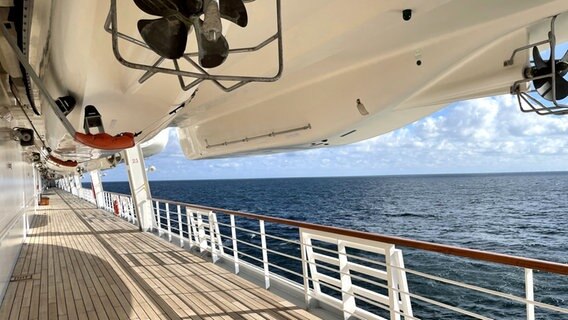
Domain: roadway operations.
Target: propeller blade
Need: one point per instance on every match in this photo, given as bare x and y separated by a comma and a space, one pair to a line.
211, 53
234, 11
544, 88
159, 7
166, 36
565, 57
561, 88
563, 64
537, 58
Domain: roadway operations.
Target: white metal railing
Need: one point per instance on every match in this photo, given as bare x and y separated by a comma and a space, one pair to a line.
117, 203
350, 271
87, 194
345, 269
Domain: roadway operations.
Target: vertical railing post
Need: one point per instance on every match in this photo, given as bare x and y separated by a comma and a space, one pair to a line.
158, 218
311, 261
212, 237
188, 218
307, 297
218, 233
264, 254
134, 213
529, 292
123, 208
347, 293
394, 304
168, 222
201, 233
400, 275
121, 212
126, 206
180, 226
129, 208
235, 248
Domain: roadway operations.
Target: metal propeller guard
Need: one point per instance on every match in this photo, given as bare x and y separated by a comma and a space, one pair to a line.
111, 26
531, 98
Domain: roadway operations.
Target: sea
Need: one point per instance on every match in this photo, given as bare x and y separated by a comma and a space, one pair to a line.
522, 214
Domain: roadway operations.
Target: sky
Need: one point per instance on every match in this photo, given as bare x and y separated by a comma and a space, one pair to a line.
477, 136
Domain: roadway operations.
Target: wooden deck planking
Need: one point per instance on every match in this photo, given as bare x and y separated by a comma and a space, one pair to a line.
86, 264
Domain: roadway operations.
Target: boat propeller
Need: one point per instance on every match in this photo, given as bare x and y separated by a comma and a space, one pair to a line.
544, 67
167, 36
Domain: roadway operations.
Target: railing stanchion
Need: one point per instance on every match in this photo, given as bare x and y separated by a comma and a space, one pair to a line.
188, 218
201, 233
304, 269
212, 237
132, 212
168, 222
120, 210
529, 292
264, 254
235, 248
129, 211
347, 292
158, 218
394, 304
180, 226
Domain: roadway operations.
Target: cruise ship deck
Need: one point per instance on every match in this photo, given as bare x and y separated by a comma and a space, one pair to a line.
82, 263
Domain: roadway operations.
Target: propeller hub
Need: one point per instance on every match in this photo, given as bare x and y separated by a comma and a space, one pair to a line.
212, 28
167, 35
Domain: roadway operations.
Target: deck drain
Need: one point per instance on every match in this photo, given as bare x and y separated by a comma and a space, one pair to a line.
21, 277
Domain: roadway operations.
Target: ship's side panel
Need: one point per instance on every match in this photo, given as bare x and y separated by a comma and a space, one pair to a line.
16, 199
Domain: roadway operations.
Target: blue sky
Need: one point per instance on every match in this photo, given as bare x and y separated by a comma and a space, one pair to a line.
484, 135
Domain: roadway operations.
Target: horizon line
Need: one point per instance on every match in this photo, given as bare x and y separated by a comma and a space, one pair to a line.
360, 176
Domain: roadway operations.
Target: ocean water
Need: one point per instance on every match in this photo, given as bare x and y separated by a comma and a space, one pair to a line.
519, 214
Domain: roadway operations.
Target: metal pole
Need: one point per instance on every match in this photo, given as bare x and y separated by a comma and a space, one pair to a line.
235, 248
264, 254
180, 226
189, 219
212, 238
159, 218
529, 292
168, 222
307, 297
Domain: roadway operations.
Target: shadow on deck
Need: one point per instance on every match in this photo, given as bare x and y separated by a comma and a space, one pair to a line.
81, 263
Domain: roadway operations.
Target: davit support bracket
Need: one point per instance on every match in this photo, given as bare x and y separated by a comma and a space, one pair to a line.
140, 188
101, 141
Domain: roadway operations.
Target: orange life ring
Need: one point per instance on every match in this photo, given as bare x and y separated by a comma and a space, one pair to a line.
115, 206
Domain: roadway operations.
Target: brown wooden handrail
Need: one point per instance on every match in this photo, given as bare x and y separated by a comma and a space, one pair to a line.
119, 194
487, 256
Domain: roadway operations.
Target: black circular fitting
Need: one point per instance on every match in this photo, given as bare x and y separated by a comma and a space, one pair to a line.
406, 14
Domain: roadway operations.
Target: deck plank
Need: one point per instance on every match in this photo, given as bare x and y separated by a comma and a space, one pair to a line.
87, 264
